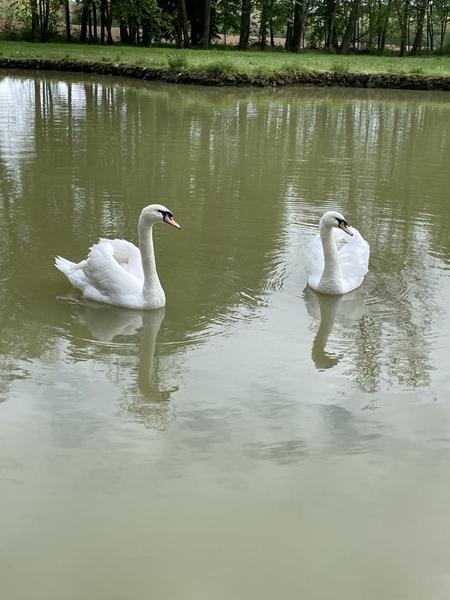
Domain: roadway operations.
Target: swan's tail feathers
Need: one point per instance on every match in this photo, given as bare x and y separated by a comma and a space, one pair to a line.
73, 271
64, 265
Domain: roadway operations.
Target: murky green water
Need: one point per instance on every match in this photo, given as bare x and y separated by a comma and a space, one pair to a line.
252, 442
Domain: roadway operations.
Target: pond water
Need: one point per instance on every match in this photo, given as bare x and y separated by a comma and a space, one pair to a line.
254, 440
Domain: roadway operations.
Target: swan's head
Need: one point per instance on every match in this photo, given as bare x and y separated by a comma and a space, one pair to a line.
157, 213
334, 219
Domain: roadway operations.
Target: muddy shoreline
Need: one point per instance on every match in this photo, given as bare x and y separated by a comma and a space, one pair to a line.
309, 78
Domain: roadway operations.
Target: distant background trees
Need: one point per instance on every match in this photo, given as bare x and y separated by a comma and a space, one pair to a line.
375, 26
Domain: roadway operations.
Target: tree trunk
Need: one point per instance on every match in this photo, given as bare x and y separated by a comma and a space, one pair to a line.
90, 25
124, 35
178, 35
109, 39
356, 36
196, 15
94, 21
67, 15
287, 40
34, 20
84, 23
102, 21
132, 31
297, 28
430, 28
408, 36
108, 23
350, 27
183, 22
403, 18
43, 19
263, 28
330, 35
444, 21
207, 24
417, 44
244, 36
370, 10
147, 35
382, 36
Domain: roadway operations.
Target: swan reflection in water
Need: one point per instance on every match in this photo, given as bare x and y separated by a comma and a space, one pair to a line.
327, 309
145, 398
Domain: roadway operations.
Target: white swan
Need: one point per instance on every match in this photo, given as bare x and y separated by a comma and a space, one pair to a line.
331, 270
118, 273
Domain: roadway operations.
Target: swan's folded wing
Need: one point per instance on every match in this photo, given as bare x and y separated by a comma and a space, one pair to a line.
127, 255
109, 281
354, 260
314, 261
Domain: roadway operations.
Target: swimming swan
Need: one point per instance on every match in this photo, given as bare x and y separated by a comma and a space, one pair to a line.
331, 270
116, 272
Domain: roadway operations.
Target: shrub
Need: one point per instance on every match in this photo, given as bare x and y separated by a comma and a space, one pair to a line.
220, 67
289, 68
177, 62
339, 68
264, 75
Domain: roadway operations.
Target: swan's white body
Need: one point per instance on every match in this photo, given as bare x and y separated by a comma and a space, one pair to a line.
117, 272
334, 267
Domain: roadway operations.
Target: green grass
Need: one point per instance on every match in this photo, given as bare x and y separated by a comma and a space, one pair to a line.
340, 67
177, 62
216, 62
218, 67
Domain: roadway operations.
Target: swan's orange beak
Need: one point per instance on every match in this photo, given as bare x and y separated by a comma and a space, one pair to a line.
171, 221
345, 228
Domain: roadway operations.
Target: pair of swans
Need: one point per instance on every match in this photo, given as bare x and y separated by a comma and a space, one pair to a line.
117, 272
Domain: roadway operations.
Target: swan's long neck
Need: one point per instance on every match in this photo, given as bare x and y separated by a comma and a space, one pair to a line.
331, 275
151, 279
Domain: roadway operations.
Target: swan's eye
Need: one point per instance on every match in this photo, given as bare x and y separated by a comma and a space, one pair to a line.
165, 213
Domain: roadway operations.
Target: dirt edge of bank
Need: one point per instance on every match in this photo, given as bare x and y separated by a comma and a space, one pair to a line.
310, 78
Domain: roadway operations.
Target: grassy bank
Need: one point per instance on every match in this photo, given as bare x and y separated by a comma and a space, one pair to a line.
253, 66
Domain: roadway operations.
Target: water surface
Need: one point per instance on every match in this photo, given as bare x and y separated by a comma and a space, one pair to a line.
253, 440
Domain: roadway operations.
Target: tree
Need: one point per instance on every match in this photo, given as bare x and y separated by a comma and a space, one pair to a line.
40, 16
67, 18
182, 24
297, 26
207, 24
350, 28
330, 27
228, 16
442, 8
402, 8
421, 12
244, 33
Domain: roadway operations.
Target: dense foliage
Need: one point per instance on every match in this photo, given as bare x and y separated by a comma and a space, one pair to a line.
376, 26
